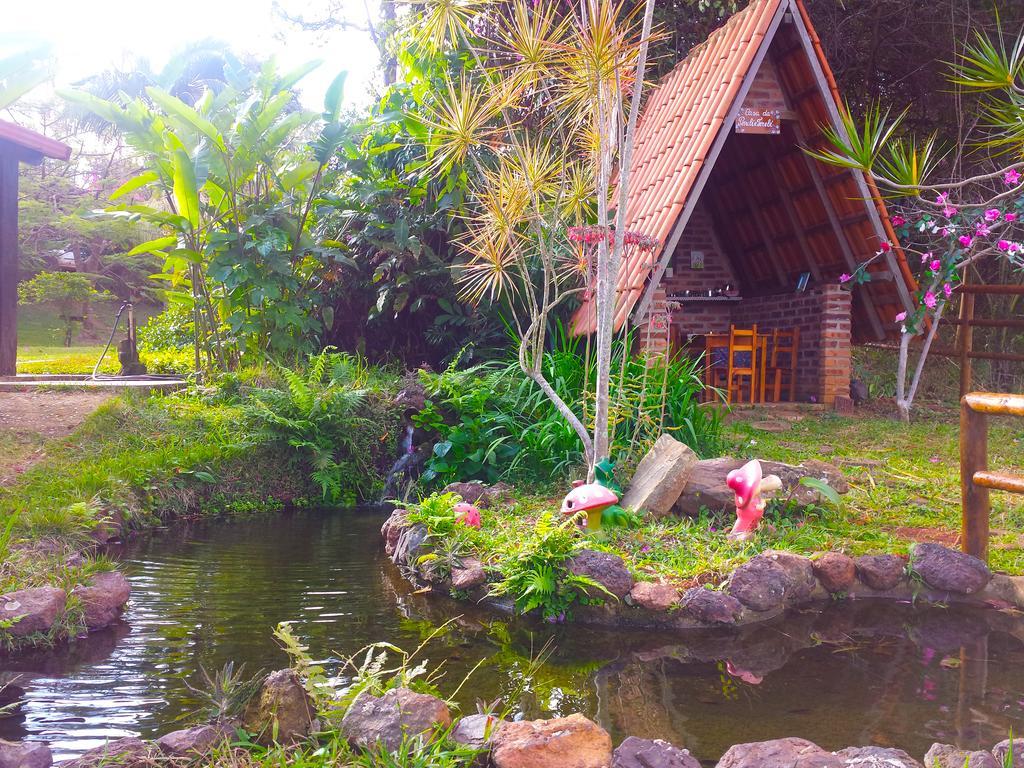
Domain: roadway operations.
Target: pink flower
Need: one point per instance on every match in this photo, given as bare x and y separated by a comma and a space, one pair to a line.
844, 278
1011, 178
942, 198
966, 240
929, 300
935, 265
901, 317
1003, 245
1010, 217
947, 289
949, 211
898, 221
945, 231
993, 214
886, 246
981, 229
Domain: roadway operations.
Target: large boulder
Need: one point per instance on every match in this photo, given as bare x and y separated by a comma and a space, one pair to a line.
779, 753
1001, 752
194, 742
948, 756
606, 569
706, 486
390, 719
128, 752
656, 596
562, 742
949, 570
881, 572
468, 575
835, 571
103, 599
651, 753
760, 584
876, 757
25, 754
32, 610
281, 711
660, 477
711, 606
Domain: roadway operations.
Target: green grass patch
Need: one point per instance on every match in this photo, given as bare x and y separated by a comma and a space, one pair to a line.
904, 487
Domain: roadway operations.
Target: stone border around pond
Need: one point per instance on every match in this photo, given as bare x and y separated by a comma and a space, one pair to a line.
35, 613
760, 589
283, 708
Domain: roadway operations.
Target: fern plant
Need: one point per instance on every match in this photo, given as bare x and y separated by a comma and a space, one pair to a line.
318, 414
537, 577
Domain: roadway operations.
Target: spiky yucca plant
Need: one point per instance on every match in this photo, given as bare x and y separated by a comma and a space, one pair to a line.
543, 111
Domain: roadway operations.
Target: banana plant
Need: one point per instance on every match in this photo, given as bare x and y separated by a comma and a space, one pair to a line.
233, 182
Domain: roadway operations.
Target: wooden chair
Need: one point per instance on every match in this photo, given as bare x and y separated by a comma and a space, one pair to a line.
780, 373
742, 341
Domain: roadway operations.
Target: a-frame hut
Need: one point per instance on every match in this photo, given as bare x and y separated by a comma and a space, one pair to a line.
720, 179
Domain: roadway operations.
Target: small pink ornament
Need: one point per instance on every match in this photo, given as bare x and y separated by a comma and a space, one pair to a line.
748, 484
1011, 178
592, 498
467, 514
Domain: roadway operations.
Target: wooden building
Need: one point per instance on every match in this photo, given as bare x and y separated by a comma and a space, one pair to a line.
720, 179
17, 145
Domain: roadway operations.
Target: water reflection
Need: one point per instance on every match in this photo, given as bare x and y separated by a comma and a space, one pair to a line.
203, 595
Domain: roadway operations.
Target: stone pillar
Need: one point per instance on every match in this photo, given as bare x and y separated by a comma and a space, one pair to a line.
836, 366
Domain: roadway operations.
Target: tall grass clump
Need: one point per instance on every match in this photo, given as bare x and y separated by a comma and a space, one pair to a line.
494, 423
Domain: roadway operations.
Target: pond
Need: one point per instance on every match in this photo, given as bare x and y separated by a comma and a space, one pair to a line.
206, 594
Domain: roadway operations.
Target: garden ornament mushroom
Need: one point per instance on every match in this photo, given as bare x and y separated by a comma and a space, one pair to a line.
467, 514
748, 485
592, 498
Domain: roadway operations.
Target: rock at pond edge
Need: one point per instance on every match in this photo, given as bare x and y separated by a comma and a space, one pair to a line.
562, 742
835, 571
281, 710
103, 598
634, 752
948, 756
25, 754
389, 719
949, 570
711, 606
779, 753
760, 584
606, 569
32, 610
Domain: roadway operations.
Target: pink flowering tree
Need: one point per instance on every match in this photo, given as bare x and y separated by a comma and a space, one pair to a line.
944, 223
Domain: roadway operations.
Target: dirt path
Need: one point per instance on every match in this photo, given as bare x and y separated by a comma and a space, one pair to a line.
29, 419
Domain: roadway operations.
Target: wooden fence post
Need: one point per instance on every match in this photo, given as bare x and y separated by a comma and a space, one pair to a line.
974, 498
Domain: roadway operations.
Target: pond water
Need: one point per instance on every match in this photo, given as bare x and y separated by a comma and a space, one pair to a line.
206, 594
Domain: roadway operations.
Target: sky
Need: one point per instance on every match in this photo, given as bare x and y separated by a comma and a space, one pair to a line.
88, 36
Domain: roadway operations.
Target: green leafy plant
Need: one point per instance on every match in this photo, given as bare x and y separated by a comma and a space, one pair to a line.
536, 574
236, 192
318, 413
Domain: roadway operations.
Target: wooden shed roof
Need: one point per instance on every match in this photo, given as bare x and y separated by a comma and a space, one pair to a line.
30, 146
685, 125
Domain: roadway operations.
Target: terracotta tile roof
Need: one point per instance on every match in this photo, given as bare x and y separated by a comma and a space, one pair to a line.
34, 143
681, 120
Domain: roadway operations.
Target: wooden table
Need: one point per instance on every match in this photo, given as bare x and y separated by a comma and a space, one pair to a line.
714, 341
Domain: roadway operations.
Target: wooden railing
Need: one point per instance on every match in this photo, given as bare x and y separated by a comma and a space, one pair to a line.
975, 479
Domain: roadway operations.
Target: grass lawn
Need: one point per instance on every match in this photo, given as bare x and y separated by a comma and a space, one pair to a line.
41, 340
